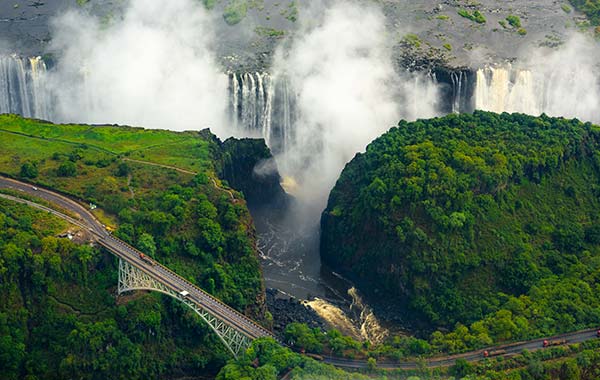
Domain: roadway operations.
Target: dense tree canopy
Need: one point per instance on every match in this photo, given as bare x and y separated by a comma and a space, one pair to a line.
59, 318
467, 218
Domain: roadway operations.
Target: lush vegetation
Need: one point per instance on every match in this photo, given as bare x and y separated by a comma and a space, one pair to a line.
59, 318
486, 223
267, 360
574, 362
182, 216
590, 7
235, 11
474, 16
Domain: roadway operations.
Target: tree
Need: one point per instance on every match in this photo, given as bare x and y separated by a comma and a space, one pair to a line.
301, 336
371, 364
570, 370
28, 170
211, 235
123, 170
146, 244
67, 169
461, 368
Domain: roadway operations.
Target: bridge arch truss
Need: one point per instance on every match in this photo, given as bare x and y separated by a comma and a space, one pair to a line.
131, 278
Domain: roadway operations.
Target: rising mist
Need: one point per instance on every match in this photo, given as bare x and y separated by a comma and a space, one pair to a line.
562, 82
153, 67
340, 65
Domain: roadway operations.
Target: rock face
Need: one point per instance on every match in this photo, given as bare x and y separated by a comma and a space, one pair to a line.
286, 310
444, 217
443, 36
249, 167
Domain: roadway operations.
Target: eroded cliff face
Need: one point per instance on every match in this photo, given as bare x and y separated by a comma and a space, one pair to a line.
442, 35
249, 167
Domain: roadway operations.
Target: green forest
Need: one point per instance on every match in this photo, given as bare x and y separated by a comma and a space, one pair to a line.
485, 224
489, 218
61, 311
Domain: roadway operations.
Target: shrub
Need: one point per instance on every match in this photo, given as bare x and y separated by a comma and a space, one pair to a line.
209, 4
514, 21
67, 169
235, 12
28, 170
412, 39
476, 16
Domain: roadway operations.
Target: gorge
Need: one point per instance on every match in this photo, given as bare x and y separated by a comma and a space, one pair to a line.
317, 90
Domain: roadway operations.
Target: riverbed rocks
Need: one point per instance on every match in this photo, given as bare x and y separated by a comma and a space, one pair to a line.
286, 309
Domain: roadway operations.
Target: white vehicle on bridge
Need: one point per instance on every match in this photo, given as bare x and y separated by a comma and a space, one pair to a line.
184, 293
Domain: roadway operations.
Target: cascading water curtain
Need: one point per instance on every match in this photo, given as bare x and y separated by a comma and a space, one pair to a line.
262, 105
23, 87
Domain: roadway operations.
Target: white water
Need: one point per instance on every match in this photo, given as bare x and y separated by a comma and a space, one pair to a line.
504, 89
370, 327
360, 323
560, 91
335, 317
261, 105
23, 87
460, 87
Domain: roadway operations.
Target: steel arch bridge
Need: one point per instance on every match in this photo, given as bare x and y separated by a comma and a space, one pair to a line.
233, 328
132, 278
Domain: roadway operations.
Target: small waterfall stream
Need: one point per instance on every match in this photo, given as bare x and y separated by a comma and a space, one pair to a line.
262, 105
23, 87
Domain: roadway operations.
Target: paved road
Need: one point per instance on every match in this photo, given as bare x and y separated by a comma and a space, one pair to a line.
473, 356
128, 253
232, 317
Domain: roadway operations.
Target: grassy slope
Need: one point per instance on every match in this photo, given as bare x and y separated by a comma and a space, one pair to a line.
198, 230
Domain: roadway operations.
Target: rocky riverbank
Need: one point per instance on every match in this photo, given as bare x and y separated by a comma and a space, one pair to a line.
286, 309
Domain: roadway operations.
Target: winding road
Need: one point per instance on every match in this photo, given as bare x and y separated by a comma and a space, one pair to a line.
251, 329
128, 253
473, 356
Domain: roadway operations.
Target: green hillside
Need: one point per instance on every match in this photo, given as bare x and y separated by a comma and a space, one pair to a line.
59, 314
484, 219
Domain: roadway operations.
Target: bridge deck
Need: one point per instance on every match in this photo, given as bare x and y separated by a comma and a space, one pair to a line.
131, 255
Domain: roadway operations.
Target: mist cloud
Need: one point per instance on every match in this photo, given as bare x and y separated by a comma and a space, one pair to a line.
568, 78
341, 68
561, 82
154, 67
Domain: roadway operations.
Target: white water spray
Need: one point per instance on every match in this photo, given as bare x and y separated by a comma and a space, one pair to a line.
563, 82
141, 70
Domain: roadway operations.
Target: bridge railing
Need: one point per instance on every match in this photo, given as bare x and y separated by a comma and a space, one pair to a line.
197, 288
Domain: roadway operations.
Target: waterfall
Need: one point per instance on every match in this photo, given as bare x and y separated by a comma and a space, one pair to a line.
556, 91
261, 105
40, 94
248, 94
460, 92
23, 88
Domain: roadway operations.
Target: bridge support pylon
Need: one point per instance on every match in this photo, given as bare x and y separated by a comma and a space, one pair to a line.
131, 278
